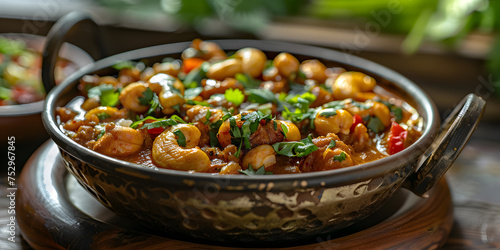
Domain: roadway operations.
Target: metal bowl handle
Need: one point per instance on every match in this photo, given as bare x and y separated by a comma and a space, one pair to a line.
55, 39
452, 137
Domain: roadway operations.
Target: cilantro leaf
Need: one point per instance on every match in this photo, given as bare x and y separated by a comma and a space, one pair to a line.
295, 149
177, 108
106, 93
193, 102
155, 103
261, 96
235, 130
335, 104
214, 129
375, 125
297, 88
340, 158
103, 116
285, 129
146, 97
250, 124
329, 112
196, 75
332, 144
235, 96
395, 110
398, 113
247, 81
250, 171
181, 139
299, 115
173, 120
150, 98
207, 117
193, 92
101, 133
302, 101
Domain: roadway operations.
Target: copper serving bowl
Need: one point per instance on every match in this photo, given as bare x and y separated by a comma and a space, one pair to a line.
271, 207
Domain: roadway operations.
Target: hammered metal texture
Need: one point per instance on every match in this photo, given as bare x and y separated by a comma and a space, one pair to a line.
210, 212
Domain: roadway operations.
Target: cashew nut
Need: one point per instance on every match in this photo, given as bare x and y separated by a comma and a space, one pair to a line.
167, 153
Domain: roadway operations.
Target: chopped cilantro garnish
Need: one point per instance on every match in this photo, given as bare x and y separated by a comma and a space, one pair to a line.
235, 130
101, 133
214, 129
302, 101
250, 124
235, 96
375, 125
196, 75
238, 152
193, 102
335, 105
155, 103
297, 88
146, 97
103, 116
106, 93
193, 92
251, 171
298, 115
398, 113
173, 120
177, 108
301, 75
150, 98
261, 96
395, 110
361, 105
181, 139
341, 157
207, 117
329, 112
247, 81
295, 149
332, 144
285, 129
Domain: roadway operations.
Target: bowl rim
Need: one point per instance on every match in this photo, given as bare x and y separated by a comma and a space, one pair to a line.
334, 177
37, 43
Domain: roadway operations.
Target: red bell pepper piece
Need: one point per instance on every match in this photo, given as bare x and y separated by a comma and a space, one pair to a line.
356, 120
397, 138
191, 63
156, 131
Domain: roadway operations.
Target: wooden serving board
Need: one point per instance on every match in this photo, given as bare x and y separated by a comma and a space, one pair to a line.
53, 211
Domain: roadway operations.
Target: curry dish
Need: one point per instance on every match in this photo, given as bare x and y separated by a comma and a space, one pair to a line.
239, 113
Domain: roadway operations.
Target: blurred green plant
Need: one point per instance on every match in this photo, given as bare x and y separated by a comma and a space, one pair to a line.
244, 15
446, 22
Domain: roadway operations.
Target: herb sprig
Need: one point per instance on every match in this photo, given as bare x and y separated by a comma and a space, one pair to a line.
295, 149
158, 123
250, 171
